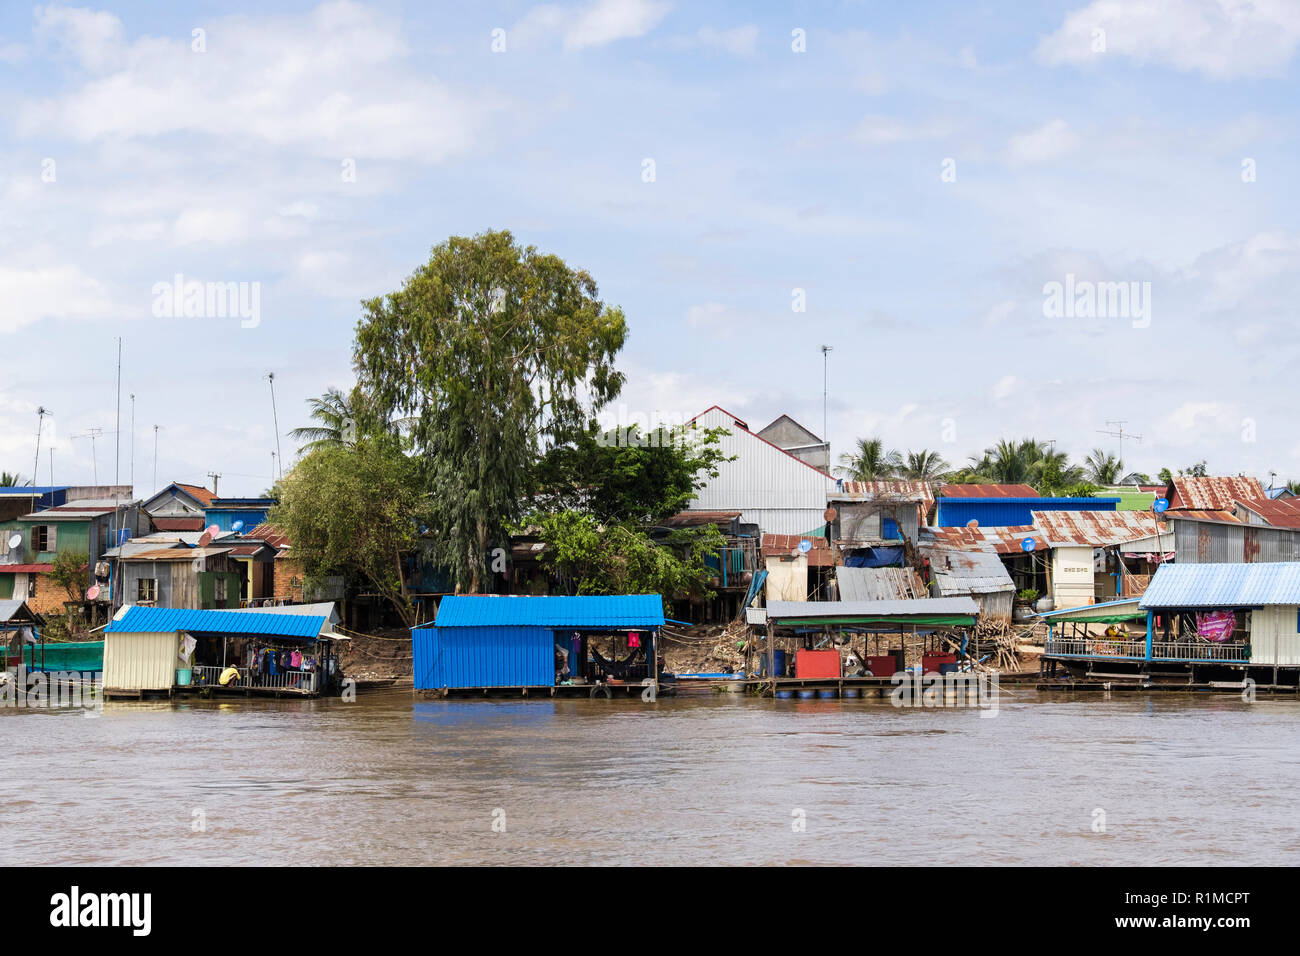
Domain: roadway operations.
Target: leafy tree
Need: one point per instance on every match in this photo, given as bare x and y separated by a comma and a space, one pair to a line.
925, 465
355, 510
1027, 461
619, 558
69, 573
627, 476
1293, 487
495, 351
10, 479
336, 421
1103, 468
869, 461
1197, 470
1165, 476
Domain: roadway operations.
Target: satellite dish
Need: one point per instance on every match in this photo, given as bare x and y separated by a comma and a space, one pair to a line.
831, 514
237, 526
1160, 504
212, 531
15, 540
973, 523
92, 593
205, 539
805, 546
1028, 544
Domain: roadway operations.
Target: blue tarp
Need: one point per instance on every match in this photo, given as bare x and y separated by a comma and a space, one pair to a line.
874, 557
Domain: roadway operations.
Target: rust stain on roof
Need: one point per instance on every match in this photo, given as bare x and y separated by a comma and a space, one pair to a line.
1005, 539
1212, 494
988, 491
1277, 512
884, 491
1096, 528
782, 545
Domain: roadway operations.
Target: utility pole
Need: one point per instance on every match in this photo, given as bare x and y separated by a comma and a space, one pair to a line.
117, 429
41, 412
270, 377
216, 477
826, 351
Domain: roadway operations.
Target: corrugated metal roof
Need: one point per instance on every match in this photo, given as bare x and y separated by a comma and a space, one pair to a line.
783, 545
25, 568
1279, 513
10, 608
988, 491
884, 491
162, 620
967, 572
1224, 585
1097, 528
595, 611
811, 610
270, 534
175, 554
1213, 494
879, 584
1002, 539
326, 609
197, 492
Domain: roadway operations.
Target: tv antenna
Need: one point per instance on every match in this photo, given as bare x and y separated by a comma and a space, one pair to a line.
826, 351
93, 433
270, 377
41, 412
1118, 432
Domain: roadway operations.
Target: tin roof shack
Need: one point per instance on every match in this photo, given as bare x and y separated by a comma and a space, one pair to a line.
788, 435
1280, 513
1009, 511
1211, 494
237, 514
30, 544
775, 491
163, 650
1020, 548
20, 500
592, 646
875, 522
796, 571
1083, 638
819, 640
1207, 538
179, 507
180, 578
733, 567
1101, 555
979, 575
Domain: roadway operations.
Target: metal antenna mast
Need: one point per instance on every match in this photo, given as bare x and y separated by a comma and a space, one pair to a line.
826, 351
41, 412
1120, 434
117, 433
270, 377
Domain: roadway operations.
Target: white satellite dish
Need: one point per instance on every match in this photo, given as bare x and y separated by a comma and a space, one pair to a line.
15, 540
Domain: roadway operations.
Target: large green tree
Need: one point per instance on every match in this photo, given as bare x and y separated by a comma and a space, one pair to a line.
357, 510
1103, 468
627, 475
495, 351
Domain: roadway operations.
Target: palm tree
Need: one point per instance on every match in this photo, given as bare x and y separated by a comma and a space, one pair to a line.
925, 465
334, 412
8, 480
1026, 462
869, 461
1103, 468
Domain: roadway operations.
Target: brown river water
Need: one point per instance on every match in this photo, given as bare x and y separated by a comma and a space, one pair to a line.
692, 780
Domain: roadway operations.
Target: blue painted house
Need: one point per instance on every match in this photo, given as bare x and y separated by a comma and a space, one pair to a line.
1011, 512
248, 513
587, 646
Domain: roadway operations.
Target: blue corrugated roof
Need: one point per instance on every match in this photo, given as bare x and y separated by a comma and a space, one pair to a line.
161, 620
603, 610
1224, 585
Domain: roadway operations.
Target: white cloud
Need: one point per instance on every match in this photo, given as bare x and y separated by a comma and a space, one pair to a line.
330, 83
885, 130
738, 41
594, 24
1004, 388
1042, 144
1219, 38
53, 292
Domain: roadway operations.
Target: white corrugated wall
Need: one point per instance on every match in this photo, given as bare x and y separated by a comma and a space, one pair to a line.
1275, 636
139, 661
774, 490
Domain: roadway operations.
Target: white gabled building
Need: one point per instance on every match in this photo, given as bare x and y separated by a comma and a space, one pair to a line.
770, 487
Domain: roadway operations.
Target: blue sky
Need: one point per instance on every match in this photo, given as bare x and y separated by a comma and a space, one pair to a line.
774, 170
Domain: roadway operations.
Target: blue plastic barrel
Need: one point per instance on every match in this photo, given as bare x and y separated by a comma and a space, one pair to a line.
807, 694
852, 692
827, 693
778, 663
784, 694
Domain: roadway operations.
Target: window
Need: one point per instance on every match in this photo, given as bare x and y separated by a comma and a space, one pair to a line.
44, 537
146, 589
31, 585
219, 587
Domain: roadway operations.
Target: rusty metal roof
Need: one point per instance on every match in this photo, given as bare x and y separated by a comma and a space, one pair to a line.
884, 491
1276, 511
879, 584
270, 534
1002, 539
1097, 528
1212, 494
176, 554
987, 491
781, 546
967, 572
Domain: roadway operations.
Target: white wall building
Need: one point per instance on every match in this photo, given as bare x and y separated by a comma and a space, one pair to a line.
769, 487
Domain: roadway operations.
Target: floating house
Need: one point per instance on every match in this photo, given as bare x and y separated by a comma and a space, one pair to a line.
152, 650
1199, 623
595, 645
